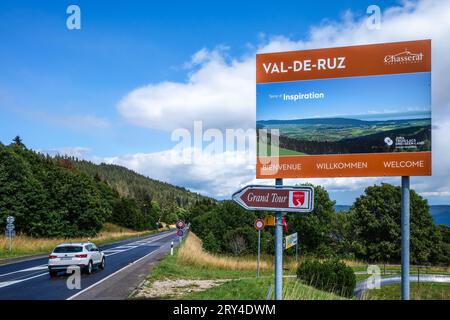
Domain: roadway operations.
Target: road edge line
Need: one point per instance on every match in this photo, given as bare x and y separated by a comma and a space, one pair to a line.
113, 274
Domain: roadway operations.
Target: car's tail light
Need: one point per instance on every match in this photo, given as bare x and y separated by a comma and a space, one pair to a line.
84, 255
52, 257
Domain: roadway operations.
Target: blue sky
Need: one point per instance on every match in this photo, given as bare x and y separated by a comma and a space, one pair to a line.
108, 89
49, 72
352, 97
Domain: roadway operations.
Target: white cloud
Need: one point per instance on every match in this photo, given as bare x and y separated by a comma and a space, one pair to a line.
221, 92
217, 175
208, 173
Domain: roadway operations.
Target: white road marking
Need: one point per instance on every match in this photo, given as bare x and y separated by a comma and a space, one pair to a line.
131, 246
112, 274
41, 267
45, 266
9, 283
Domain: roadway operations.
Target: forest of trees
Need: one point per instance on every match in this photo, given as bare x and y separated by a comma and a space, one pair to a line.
369, 231
63, 197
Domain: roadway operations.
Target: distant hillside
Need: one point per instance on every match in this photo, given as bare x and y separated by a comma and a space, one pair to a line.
339, 208
63, 197
131, 184
440, 213
334, 121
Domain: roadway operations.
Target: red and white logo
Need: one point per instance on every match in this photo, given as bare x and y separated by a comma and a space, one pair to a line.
298, 199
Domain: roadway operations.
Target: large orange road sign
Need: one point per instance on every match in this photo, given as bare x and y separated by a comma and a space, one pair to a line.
286, 199
345, 112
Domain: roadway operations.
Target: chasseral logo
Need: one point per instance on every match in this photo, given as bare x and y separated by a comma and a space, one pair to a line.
388, 141
404, 58
298, 199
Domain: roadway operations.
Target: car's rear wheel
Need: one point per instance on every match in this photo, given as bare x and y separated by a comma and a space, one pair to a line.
89, 268
102, 264
53, 273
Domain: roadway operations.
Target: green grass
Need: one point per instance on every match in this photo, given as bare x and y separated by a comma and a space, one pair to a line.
243, 285
169, 269
244, 289
422, 291
281, 151
360, 277
336, 132
256, 289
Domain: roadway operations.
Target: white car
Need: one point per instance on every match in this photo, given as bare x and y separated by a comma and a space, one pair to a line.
85, 255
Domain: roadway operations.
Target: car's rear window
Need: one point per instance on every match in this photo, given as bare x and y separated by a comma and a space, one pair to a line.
68, 249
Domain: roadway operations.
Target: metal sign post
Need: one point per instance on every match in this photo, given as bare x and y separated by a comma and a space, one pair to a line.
259, 252
259, 225
10, 230
280, 199
278, 250
405, 237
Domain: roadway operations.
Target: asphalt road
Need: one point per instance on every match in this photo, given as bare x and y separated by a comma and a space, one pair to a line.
29, 280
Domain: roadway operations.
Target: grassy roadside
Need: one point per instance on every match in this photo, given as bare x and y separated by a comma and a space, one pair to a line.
192, 273
256, 289
24, 246
422, 291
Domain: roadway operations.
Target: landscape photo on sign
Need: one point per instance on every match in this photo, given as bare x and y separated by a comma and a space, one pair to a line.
350, 111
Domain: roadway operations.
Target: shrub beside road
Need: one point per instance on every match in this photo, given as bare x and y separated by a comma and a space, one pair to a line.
329, 275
